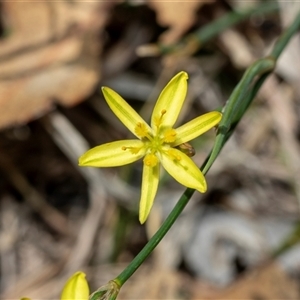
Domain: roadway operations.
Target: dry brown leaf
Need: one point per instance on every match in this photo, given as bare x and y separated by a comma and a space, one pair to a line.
178, 15
268, 282
51, 54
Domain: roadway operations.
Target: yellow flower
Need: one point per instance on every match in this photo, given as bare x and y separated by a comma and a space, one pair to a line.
76, 288
157, 144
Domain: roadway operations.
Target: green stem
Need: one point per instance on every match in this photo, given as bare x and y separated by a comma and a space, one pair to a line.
242, 97
285, 37
237, 104
247, 89
157, 237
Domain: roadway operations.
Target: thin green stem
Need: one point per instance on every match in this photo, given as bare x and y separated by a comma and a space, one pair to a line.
237, 104
157, 237
239, 101
246, 90
285, 37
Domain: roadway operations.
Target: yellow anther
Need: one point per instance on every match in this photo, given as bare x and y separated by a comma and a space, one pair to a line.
150, 160
170, 136
141, 130
124, 148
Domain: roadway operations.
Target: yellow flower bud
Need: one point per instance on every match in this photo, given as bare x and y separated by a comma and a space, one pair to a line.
76, 288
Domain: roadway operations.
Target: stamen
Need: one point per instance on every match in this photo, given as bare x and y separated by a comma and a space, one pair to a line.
158, 120
170, 135
174, 154
141, 130
133, 150
150, 160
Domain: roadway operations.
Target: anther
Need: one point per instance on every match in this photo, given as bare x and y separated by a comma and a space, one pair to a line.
133, 150
170, 135
141, 130
158, 120
150, 160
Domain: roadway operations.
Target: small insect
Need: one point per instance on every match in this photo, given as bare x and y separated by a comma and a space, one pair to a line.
187, 149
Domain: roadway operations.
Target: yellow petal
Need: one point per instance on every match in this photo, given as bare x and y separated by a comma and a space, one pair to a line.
76, 288
196, 127
149, 188
170, 100
184, 170
113, 154
126, 114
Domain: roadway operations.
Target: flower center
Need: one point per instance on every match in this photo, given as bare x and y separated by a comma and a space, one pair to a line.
154, 141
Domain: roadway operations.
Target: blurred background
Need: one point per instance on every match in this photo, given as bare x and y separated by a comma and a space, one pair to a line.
236, 241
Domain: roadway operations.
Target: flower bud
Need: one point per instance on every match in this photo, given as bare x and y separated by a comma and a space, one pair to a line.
76, 288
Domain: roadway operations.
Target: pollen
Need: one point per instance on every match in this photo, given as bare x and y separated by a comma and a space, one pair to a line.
169, 135
150, 160
141, 130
